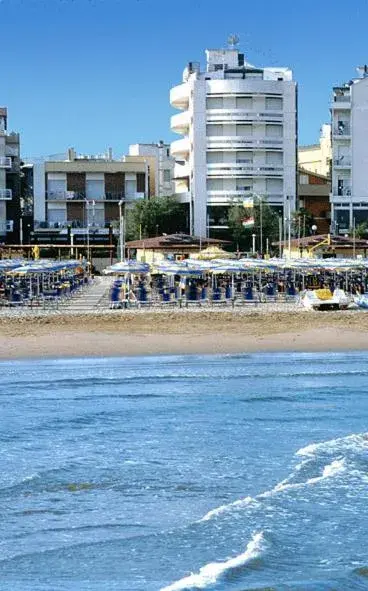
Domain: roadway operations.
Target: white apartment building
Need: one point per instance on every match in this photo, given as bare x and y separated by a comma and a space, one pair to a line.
9, 179
161, 166
349, 114
239, 125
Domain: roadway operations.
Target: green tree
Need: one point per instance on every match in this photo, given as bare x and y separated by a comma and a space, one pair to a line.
361, 231
156, 216
302, 222
264, 217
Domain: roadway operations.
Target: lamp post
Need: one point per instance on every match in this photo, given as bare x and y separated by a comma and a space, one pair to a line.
87, 222
121, 229
254, 243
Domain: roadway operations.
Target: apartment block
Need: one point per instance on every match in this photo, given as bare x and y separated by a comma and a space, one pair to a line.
239, 128
349, 119
161, 166
80, 193
9, 181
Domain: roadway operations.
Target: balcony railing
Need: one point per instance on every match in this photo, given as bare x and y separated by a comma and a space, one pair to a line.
5, 194
341, 130
233, 140
81, 196
5, 162
225, 169
342, 161
342, 191
342, 98
73, 224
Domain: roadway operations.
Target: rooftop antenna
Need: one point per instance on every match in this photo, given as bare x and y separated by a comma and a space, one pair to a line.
233, 41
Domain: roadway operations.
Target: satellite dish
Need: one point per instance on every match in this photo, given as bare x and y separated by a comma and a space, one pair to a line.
233, 41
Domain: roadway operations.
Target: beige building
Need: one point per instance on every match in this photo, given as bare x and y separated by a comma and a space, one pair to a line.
82, 192
317, 157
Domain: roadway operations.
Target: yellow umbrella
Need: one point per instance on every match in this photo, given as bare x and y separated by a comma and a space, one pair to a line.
214, 252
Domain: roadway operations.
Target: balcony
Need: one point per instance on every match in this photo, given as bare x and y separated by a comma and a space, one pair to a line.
5, 194
5, 162
342, 191
180, 122
234, 142
342, 162
341, 102
180, 148
81, 196
341, 132
239, 115
181, 171
179, 96
183, 197
129, 197
236, 170
73, 224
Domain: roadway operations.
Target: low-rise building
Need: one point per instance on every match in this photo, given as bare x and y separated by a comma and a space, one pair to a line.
9, 181
314, 196
172, 246
84, 195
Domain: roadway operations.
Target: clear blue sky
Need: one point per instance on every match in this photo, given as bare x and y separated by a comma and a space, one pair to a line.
97, 73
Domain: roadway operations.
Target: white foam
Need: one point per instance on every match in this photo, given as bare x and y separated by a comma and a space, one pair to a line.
226, 508
210, 573
357, 441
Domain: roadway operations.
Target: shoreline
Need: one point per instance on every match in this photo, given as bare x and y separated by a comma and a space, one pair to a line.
172, 333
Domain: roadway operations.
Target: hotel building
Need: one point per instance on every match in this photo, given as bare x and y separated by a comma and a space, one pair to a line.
239, 128
75, 193
9, 181
349, 119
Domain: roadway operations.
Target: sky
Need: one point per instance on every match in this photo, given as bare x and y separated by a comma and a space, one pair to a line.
93, 74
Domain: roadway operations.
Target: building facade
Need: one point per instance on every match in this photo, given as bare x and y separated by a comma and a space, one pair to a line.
317, 157
349, 119
9, 181
314, 196
161, 167
80, 194
239, 125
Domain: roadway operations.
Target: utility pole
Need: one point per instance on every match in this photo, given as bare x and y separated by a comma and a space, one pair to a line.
280, 236
121, 229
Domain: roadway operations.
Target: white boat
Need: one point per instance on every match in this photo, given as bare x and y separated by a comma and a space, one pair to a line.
362, 300
324, 299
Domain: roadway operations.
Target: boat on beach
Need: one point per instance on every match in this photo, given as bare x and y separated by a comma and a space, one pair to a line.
324, 299
362, 301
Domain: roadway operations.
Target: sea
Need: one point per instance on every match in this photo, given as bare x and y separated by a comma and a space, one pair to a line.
174, 473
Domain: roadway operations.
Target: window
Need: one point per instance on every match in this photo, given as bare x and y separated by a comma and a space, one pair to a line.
215, 130
218, 67
130, 188
273, 131
56, 184
167, 176
214, 102
244, 102
56, 216
95, 189
274, 103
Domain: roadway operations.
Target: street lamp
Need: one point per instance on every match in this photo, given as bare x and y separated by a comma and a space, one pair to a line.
121, 229
254, 243
314, 229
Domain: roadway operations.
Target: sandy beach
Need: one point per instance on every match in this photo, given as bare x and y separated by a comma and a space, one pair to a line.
179, 332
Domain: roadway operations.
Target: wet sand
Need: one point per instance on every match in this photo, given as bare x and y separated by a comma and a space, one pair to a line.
185, 332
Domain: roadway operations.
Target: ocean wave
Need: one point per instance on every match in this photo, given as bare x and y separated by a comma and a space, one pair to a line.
310, 464
355, 442
211, 572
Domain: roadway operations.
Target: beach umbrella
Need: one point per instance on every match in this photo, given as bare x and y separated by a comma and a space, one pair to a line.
127, 267
214, 252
